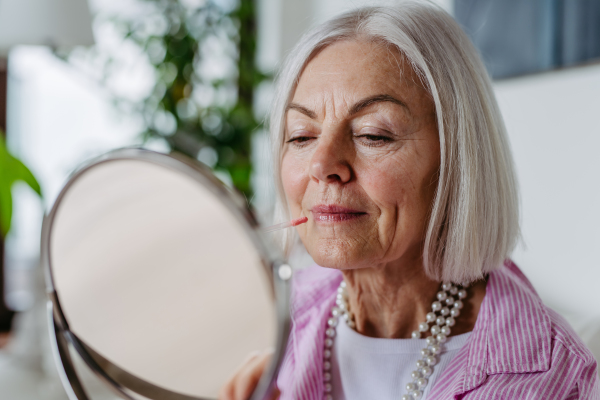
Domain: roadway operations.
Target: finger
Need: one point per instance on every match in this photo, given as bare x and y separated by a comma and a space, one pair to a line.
243, 382
227, 392
247, 379
275, 395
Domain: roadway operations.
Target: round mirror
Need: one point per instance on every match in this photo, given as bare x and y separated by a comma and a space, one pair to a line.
159, 278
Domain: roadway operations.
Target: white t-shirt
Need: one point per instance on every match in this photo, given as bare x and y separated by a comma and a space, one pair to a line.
373, 368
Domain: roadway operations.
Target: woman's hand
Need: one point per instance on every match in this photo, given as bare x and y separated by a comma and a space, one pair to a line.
245, 379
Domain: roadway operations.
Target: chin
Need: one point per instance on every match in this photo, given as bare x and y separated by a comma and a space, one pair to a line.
338, 254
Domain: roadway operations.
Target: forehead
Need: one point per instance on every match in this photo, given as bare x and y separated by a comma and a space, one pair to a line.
356, 69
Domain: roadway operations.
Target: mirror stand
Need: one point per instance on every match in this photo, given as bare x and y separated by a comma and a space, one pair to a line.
60, 340
160, 281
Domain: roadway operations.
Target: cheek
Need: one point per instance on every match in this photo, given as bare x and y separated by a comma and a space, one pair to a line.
294, 179
399, 187
386, 184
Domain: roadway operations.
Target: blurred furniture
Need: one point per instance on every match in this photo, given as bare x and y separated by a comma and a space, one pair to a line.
522, 37
55, 23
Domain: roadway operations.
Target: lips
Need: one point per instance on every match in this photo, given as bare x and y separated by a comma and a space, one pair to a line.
330, 213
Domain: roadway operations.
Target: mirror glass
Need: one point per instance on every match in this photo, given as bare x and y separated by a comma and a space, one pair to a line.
157, 275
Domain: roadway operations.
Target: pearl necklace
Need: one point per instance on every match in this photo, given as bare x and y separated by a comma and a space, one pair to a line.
444, 310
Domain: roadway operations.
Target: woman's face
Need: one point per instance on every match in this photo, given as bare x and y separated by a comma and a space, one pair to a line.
361, 157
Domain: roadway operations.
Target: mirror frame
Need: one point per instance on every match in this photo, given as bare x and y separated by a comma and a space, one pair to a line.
119, 380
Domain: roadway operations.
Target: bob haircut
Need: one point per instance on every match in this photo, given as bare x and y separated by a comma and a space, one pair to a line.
474, 222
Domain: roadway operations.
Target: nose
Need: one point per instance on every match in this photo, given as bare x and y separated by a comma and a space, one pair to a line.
331, 161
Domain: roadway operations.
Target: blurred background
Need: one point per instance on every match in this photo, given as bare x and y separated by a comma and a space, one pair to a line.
79, 78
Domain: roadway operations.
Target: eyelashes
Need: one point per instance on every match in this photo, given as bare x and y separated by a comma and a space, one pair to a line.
372, 140
300, 141
365, 139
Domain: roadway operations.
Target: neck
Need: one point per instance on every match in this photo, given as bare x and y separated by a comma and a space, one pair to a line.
390, 301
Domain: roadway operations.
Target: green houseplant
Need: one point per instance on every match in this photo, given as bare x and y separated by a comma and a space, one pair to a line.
203, 61
12, 170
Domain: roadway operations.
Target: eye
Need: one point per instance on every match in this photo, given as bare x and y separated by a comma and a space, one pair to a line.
373, 139
300, 140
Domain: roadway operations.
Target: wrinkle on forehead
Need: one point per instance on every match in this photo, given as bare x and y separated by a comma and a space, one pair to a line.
348, 71
395, 58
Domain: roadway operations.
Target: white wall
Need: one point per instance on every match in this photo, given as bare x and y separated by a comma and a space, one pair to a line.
554, 129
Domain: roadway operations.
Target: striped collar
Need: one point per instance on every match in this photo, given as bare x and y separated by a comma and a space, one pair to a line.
510, 307
498, 344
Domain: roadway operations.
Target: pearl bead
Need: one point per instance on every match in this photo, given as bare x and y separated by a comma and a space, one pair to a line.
416, 394
445, 305
430, 317
416, 375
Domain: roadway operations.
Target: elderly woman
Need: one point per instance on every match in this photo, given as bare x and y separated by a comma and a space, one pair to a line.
389, 139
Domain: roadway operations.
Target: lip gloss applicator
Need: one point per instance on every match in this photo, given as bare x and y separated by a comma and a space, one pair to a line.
283, 225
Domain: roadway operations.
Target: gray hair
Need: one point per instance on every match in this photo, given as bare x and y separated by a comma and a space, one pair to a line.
474, 222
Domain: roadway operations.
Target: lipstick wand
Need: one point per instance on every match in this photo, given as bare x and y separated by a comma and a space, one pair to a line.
283, 225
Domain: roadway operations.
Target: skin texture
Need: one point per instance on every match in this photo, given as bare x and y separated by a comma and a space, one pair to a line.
361, 136
381, 161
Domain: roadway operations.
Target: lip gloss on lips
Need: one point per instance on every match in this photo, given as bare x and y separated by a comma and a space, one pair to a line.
335, 213
289, 224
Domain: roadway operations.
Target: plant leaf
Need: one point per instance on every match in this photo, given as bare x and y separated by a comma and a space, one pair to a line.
21, 173
11, 170
5, 207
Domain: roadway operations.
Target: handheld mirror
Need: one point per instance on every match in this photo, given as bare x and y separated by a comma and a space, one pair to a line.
160, 280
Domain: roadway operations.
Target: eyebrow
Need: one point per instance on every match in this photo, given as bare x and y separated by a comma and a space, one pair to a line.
356, 108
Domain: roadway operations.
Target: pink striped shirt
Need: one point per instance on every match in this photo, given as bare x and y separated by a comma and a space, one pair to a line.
519, 348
